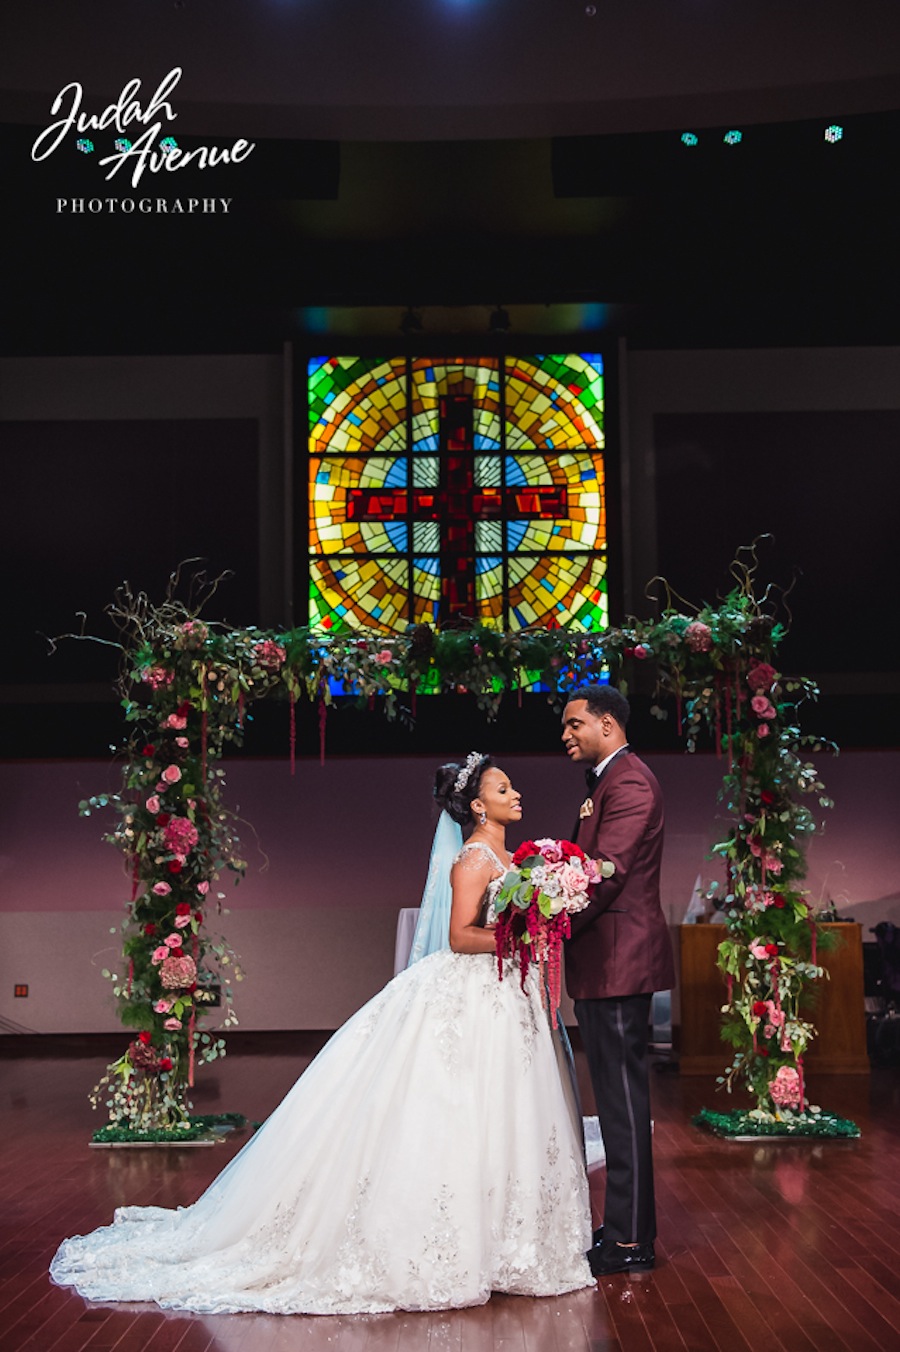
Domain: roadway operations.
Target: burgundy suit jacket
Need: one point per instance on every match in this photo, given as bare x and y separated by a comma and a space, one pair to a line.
620, 943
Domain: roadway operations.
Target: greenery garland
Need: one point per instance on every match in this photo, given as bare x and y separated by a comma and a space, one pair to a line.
186, 685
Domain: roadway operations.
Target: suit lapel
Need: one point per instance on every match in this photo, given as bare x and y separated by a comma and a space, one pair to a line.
623, 751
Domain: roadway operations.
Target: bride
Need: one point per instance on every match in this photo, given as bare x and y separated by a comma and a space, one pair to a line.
429, 1155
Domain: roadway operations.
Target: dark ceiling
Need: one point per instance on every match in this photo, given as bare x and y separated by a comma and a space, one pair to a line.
453, 155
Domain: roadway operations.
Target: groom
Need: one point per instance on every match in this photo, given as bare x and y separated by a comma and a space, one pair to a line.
618, 955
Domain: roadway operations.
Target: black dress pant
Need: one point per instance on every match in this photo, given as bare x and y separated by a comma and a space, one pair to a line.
615, 1034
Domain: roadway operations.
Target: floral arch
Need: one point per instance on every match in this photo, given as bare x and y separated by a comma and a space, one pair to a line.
186, 685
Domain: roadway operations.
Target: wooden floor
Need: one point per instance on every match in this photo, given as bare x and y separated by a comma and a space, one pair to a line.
792, 1246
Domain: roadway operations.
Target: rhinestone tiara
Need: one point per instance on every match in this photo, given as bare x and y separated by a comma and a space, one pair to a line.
474, 758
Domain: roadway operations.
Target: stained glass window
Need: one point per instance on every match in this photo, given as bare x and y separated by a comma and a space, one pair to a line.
457, 487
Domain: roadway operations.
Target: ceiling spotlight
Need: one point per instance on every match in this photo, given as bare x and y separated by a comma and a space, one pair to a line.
689, 138
499, 320
411, 321
833, 134
733, 138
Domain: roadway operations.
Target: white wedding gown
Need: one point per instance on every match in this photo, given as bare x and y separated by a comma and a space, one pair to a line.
428, 1156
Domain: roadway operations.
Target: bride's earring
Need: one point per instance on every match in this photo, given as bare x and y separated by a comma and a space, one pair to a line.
482, 818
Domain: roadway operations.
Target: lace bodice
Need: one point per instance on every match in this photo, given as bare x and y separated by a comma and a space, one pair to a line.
475, 854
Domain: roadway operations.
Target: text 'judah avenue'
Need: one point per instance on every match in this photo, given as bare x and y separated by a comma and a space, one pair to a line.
145, 152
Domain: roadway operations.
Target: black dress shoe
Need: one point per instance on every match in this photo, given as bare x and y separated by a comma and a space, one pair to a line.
605, 1259
597, 1236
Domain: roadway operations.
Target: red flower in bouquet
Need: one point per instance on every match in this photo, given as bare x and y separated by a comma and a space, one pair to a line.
525, 851
548, 881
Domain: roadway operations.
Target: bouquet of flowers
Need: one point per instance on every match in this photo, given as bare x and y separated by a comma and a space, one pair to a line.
548, 881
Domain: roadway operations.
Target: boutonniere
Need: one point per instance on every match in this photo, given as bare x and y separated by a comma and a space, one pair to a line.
587, 808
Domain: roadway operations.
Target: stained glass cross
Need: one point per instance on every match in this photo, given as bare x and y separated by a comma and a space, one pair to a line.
457, 504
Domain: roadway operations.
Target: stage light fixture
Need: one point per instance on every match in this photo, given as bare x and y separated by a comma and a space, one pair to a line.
411, 321
689, 138
733, 138
499, 320
834, 133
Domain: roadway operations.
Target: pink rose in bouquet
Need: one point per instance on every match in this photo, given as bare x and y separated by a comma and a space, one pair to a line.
548, 880
171, 774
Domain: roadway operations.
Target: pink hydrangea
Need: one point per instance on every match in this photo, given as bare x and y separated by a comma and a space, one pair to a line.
270, 654
785, 1088
161, 889
156, 677
178, 973
171, 774
698, 637
180, 835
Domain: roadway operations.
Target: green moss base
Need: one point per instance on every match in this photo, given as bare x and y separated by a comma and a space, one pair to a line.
203, 1127
744, 1125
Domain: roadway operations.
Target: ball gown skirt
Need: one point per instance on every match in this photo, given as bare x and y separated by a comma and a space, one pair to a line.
428, 1156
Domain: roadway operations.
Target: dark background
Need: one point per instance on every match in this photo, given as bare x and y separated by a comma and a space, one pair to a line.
409, 155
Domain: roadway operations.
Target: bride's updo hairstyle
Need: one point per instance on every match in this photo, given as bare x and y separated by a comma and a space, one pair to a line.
456, 785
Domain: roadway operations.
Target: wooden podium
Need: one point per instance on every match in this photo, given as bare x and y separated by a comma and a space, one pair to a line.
837, 1010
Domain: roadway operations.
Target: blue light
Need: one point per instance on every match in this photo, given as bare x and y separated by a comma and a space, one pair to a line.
833, 134
84, 145
733, 138
689, 138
